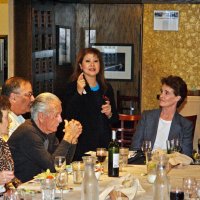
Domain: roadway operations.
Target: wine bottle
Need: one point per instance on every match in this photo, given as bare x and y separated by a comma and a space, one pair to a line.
113, 157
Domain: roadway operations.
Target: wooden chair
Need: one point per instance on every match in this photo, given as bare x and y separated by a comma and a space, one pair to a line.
126, 129
127, 104
193, 119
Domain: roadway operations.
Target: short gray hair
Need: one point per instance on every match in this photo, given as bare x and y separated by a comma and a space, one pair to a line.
43, 103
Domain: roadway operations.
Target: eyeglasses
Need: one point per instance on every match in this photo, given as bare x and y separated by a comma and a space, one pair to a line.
28, 94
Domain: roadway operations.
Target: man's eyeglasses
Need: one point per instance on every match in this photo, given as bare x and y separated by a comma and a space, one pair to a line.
28, 94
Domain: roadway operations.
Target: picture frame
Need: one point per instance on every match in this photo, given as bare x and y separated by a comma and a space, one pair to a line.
63, 45
118, 60
90, 37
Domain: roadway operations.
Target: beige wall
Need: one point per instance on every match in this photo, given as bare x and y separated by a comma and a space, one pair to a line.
3, 18
170, 52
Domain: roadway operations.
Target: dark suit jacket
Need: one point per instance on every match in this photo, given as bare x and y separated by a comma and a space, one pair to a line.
181, 128
33, 151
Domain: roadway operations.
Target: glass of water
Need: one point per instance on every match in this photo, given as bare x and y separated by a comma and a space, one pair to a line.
48, 187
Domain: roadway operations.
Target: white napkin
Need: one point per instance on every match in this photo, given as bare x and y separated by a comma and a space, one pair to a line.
31, 185
92, 153
179, 159
127, 185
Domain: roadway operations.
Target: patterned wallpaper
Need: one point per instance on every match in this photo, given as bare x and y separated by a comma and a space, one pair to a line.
170, 52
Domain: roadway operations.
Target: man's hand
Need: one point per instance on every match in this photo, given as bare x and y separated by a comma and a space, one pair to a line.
72, 131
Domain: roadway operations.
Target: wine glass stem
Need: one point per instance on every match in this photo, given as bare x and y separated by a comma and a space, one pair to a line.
61, 191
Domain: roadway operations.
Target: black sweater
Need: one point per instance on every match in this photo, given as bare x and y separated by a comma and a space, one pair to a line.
30, 153
86, 108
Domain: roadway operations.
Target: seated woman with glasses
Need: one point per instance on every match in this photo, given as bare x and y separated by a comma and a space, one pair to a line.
6, 161
165, 123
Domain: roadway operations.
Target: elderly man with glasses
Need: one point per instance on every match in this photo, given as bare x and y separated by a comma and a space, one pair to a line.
20, 94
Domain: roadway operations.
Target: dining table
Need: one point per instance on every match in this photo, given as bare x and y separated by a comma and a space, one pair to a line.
176, 175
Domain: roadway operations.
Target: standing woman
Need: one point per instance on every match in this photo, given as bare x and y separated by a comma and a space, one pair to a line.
6, 161
90, 100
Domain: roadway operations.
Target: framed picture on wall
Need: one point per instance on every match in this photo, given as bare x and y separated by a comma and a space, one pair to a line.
118, 60
90, 37
63, 45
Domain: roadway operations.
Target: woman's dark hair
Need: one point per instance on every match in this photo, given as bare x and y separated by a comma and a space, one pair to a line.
178, 85
4, 105
77, 70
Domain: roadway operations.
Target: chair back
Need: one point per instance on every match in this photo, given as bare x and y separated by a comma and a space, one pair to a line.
127, 104
193, 119
126, 129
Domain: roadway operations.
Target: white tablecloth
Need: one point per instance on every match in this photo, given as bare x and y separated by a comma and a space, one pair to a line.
175, 175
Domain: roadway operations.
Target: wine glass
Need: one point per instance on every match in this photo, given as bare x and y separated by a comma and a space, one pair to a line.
177, 146
146, 148
61, 181
101, 154
60, 163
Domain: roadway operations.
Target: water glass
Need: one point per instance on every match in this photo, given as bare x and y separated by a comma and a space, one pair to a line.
61, 181
189, 187
151, 167
48, 187
198, 189
78, 171
123, 153
11, 195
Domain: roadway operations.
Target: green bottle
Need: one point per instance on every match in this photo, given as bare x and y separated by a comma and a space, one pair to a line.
113, 157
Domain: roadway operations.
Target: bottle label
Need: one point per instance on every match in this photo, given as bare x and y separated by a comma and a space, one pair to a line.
116, 160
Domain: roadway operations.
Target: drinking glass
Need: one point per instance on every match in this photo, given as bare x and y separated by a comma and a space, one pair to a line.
78, 171
177, 146
196, 157
101, 154
189, 187
198, 189
11, 195
48, 187
61, 181
146, 147
123, 156
60, 163
173, 146
176, 193
151, 167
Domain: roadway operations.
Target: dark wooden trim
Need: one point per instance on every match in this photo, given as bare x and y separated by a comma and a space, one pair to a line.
129, 1
170, 1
